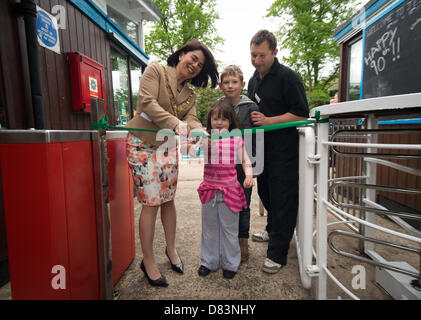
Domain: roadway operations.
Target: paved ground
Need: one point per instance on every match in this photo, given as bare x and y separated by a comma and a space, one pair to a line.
250, 282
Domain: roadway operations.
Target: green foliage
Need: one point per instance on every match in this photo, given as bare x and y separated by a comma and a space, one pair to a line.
205, 98
121, 95
307, 32
182, 21
318, 97
354, 92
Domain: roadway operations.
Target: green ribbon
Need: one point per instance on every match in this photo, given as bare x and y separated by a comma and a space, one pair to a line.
103, 125
317, 115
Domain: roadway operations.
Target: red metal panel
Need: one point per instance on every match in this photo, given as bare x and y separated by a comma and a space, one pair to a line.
48, 191
81, 222
32, 176
121, 207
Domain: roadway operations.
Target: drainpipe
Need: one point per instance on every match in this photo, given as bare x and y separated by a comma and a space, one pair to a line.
28, 9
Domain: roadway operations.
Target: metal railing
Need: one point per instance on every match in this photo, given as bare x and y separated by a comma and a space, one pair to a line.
342, 233
350, 195
303, 234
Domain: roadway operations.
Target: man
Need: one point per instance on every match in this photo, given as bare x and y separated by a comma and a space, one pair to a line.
335, 98
280, 94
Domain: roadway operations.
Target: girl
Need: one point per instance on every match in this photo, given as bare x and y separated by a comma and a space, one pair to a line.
221, 194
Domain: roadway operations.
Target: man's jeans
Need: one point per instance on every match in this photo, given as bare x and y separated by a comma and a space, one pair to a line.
244, 223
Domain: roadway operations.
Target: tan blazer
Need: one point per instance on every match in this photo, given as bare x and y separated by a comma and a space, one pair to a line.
154, 110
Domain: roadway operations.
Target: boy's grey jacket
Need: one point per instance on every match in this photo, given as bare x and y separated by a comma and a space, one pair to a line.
243, 110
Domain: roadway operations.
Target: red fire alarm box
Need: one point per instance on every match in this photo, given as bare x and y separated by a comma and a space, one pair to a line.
87, 81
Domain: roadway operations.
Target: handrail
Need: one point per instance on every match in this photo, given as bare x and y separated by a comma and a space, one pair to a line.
375, 145
388, 266
405, 215
397, 220
372, 225
338, 133
339, 284
394, 165
398, 131
369, 109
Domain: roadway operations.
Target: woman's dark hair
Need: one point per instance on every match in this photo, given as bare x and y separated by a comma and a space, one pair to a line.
209, 69
225, 110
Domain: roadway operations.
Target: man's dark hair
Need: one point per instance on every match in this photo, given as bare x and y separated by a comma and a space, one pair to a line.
209, 70
263, 35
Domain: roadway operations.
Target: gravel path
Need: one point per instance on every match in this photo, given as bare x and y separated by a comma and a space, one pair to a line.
249, 283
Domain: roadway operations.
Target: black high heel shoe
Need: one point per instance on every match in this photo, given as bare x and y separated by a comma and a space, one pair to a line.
176, 267
160, 282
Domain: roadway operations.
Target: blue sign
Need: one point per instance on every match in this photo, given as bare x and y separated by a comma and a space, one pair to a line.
46, 30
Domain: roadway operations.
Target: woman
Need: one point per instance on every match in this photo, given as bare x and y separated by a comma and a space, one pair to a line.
164, 100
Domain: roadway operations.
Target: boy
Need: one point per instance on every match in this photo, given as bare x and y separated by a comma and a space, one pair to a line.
231, 85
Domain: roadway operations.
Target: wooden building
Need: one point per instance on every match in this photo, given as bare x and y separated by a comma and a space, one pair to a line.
109, 32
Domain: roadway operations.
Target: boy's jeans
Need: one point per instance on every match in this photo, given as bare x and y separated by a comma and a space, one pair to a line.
244, 222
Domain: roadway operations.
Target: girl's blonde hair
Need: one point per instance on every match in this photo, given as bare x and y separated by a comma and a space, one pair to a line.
232, 70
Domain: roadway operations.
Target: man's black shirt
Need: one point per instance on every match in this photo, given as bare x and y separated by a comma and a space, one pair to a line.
281, 90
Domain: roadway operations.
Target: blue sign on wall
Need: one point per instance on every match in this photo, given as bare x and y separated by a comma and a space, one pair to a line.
47, 30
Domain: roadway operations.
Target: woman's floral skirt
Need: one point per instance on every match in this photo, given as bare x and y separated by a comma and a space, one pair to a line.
154, 172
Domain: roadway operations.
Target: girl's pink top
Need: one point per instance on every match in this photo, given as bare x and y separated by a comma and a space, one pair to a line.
220, 174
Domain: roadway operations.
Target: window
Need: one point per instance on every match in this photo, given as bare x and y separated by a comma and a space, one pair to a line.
120, 78
125, 85
129, 27
354, 71
135, 74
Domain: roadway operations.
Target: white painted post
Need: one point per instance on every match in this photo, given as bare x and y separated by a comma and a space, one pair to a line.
322, 194
371, 179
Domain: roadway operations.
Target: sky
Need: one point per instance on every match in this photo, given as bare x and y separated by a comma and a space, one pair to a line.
239, 21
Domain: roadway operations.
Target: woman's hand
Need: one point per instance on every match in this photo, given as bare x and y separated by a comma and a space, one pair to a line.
248, 182
188, 147
182, 129
198, 132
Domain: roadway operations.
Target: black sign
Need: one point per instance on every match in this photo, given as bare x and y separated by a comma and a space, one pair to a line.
392, 52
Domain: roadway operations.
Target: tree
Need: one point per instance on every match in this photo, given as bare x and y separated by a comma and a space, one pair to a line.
181, 22
307, 32
205, 98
